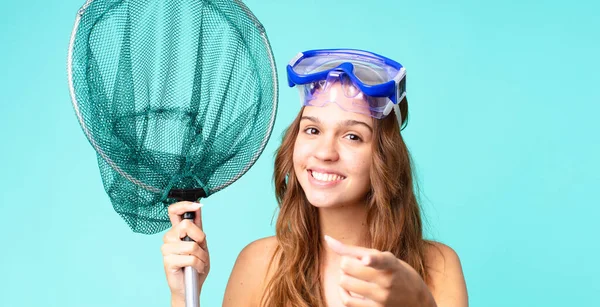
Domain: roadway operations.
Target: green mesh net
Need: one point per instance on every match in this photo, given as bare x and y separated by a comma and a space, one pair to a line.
172, 95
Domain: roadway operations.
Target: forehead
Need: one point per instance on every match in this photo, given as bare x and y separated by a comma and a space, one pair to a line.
332, 115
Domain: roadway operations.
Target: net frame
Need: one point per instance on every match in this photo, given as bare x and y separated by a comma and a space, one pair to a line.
114, 165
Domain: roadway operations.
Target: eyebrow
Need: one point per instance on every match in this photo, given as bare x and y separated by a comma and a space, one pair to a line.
346, 123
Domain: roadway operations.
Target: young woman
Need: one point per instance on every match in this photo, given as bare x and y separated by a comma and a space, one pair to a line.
349, 228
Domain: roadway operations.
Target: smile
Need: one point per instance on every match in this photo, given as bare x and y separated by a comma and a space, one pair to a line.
326, 177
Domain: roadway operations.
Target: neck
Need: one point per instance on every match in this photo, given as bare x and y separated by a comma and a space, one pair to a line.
347, 224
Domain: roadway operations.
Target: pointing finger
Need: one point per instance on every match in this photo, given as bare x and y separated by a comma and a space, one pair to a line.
348, 250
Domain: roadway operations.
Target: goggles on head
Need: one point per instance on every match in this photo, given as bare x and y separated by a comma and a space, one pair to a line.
377, 83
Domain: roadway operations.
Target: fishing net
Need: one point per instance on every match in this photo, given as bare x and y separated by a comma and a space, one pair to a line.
178, 98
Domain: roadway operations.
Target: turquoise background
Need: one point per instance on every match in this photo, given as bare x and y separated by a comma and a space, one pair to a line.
504, 131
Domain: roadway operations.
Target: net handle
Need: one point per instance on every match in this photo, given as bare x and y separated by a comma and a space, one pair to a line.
192, 297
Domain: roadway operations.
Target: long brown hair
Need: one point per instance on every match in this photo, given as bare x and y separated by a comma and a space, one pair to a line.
393, 217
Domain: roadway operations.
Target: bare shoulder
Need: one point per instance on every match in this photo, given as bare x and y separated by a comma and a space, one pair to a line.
247, 279
438, 256
446, 279
258, 253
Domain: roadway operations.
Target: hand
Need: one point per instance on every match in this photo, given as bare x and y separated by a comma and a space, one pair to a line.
178, 254
371, 278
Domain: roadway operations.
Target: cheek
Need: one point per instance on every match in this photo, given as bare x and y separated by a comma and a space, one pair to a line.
299, 155
359, 163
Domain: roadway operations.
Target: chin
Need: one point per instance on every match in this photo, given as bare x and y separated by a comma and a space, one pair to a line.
323, 200
322, 203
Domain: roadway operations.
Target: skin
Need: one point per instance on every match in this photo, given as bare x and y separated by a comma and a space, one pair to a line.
336, 142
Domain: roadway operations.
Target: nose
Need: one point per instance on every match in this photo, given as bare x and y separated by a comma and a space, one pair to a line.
326, 149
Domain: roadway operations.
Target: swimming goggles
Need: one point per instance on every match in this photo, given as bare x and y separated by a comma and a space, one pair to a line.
377, 83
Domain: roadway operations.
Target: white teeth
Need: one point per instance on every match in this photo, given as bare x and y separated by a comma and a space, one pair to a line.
326, 177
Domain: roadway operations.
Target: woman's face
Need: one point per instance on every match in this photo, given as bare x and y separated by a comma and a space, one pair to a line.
332, 153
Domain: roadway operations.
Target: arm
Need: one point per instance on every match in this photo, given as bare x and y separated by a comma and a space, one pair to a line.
247, 281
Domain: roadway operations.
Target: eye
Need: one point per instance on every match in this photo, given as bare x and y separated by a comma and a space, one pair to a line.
311, 131
353, 137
